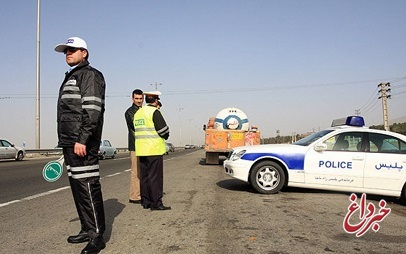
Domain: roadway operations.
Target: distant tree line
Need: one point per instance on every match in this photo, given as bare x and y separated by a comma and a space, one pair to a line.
396, 127
281, 139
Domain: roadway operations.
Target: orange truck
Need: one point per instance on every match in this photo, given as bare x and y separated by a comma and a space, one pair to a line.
229, 129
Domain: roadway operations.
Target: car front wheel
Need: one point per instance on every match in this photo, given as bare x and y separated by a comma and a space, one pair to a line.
403, 196
20, 156
267, 177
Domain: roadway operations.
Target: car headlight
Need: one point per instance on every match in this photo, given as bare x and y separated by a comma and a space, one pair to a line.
238, 155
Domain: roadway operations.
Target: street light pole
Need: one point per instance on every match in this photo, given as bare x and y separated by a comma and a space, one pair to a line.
156, 85
191, 130
180, 126
37, 112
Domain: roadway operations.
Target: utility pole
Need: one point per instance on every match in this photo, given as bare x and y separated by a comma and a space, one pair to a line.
156, 85
384, 90
37, 110
357, 112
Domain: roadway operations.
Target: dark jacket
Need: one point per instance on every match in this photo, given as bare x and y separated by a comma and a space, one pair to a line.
81, 107
160, 124
129, 118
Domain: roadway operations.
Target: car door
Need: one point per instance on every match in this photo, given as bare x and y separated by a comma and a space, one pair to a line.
8, 150
340, 163
2, 150
108, 148
385, 163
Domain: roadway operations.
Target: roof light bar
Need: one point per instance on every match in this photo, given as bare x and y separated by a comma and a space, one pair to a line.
357, 121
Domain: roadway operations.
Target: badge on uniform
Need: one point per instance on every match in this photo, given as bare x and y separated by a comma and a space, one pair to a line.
53, 170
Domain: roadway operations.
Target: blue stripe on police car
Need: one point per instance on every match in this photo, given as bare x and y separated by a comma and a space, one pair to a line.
293, 161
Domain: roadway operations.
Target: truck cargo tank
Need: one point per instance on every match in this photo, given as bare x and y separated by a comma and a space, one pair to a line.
231, 119
230, 128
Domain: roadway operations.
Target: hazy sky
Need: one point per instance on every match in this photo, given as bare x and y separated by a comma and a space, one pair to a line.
291, 66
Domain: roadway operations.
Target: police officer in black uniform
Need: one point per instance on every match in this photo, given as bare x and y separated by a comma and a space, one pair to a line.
80, 121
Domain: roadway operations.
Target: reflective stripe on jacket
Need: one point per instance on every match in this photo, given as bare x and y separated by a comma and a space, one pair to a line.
147, 140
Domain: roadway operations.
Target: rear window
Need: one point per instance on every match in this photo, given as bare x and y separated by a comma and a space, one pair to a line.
380, 143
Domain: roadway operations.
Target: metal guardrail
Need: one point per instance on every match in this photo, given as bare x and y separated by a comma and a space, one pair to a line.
56, 151
46, 152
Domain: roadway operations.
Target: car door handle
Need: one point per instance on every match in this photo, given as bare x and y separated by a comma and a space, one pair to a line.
358, 158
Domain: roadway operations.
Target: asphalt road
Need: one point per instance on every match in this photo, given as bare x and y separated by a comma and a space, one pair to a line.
211, 213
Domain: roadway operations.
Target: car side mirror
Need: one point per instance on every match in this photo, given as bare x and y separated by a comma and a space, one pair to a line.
320, 147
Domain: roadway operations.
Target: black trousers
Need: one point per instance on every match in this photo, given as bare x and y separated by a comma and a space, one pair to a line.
151, 180
84, 181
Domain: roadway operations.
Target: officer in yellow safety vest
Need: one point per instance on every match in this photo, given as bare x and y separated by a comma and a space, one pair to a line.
150, 132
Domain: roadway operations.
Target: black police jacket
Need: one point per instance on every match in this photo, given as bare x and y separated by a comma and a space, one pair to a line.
81, 107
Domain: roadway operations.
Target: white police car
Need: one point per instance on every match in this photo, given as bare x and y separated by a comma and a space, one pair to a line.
346, 157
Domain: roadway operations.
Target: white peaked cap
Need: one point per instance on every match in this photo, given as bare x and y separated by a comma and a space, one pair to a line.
74, 42
155, 93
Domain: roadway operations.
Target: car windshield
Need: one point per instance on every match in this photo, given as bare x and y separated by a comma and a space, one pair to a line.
311, 138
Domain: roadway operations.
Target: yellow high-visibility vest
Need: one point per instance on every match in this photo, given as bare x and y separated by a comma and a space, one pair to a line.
147, 140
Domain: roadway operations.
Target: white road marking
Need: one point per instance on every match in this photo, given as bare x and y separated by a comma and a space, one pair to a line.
62, 188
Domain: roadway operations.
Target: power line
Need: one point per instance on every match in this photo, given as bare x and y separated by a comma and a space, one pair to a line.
396, 80
371, 108
401, 85
224, 90
253, 89
398, 93
398, 89
371, 101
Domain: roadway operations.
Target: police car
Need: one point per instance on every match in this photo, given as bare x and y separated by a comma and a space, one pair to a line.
346, 157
